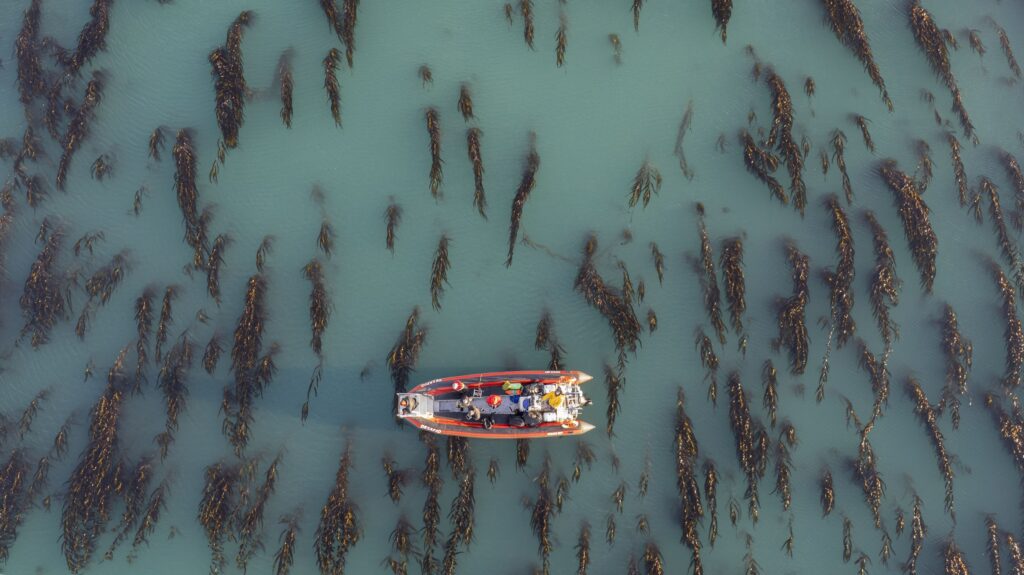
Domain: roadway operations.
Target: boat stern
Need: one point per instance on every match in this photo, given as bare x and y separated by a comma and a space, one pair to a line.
414, 405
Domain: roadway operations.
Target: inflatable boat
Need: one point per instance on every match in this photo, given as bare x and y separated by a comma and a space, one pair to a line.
499, 405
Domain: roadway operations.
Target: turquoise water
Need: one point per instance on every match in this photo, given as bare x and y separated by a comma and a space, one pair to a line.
595, 122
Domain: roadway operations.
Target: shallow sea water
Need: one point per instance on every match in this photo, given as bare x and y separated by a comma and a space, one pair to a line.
595, 122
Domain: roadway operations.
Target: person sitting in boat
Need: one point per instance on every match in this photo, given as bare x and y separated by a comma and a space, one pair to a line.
473, 414
553, 398
465, 401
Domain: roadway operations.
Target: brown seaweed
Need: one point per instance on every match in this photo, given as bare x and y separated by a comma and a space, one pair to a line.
334, 20
284, 73
462, 519
614, 383
959, 173
918, 532
164, 323
686, 453
959, 352
791, 314
616, 308
1007, 247
188, 197
770, 398
916, 225
1004, 43
101, 168
709, 280
884, 283
838, 149
865, 467
173, 384
616, 43
15, 502
953, 557
30, 412
546, 339
405, 353
784, 465
1013, 333
526, 9
319, 315
211, 353
325, 238
216, 508
840, 282
923, 175
828, 494
319, 305
710, 495
1016, 176
526, 184
465, 104
646, 181
731, 262
135, 488
92, 38
100, 286
752, 442
473, 146
561, 40
393, 217
249, 521
878, 373
98, 476
397, 478
339, 528
659, 262
43, 301
431, 478
722, 11
436, 170
780, 137
252, 372
974, 38
762, 163
215, 260
862, 123
78, 128
932, 42
680, 154
845, 21
709, 361
439, 272
31, 81
285, 558
229, 81
583, 550
426, 75
265, 248
331, 84
584, 456
929, 417
349, 13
